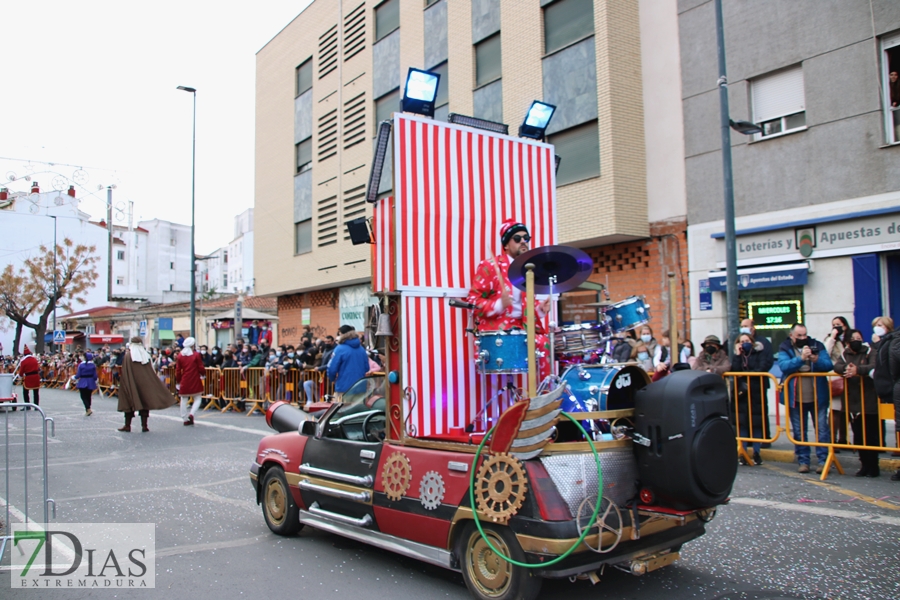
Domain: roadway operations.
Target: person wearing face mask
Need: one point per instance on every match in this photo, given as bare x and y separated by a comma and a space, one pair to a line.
768, 358
855, 364
644, 335
835, 343
809, 398
712, 359
641, 354
749, 357
228, 361
881, 326
265, 335
244, 357
886, 345
216, 358
204, 355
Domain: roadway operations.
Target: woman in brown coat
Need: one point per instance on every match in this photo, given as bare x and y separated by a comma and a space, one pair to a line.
855, 364
140, 389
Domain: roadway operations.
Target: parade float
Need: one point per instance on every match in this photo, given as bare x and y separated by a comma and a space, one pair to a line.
457, 455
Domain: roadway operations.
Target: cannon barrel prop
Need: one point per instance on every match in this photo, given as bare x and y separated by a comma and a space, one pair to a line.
283, 417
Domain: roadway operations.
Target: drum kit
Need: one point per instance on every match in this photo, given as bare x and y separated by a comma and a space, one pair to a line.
582, 351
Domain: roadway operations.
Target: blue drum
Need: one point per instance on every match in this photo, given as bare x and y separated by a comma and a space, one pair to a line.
598, 387
502, 351
628, 314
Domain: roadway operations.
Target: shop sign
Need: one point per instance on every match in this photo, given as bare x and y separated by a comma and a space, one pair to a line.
781, 314
305, 317
353, 302
822, 240
749, 279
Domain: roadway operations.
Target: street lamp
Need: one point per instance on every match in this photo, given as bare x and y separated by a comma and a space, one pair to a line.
193, 221
746, 128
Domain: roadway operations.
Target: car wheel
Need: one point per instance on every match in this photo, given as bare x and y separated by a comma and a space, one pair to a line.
279, 509
488, 576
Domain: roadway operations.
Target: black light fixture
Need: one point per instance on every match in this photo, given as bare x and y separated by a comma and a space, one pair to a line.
381, 146
745, 127
557, 159
477, 123
420, 92
360, 232
536, 120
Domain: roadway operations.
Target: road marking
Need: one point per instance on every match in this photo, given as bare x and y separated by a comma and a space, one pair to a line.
836, 488
245, 504
219, 425
155, 489
176, 550
64, 549
818, 510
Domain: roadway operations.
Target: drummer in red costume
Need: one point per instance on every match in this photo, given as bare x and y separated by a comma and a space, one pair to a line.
499, 305
30, 372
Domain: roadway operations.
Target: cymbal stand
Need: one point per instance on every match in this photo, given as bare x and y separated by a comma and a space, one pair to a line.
551, 282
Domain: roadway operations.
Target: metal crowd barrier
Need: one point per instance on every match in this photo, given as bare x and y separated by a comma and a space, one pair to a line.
872, 429
15, 411
750, 408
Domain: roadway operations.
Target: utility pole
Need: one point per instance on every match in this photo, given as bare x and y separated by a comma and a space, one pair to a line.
109, 252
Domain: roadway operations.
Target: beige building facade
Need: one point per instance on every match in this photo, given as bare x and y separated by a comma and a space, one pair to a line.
327, 79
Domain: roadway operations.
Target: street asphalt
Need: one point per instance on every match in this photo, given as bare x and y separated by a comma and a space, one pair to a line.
783, 536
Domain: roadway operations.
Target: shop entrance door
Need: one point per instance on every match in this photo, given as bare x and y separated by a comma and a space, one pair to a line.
893, 285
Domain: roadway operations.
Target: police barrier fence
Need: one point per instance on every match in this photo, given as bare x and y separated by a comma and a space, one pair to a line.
750, 410
16, 425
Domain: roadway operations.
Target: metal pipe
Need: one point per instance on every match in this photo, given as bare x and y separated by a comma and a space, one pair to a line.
731, 289
673, 320
529, 327
109, 249
193, 219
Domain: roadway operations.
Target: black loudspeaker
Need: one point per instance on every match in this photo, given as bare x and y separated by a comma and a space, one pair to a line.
685, 446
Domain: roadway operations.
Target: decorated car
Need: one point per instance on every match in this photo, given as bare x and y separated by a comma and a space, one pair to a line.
457, 455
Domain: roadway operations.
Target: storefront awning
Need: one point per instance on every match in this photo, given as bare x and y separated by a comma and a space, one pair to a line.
165, 334
763, 277
106, 339
70, 338
247, 315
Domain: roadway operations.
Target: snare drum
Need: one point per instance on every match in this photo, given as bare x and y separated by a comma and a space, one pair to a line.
577, 340
502, 351
628, 314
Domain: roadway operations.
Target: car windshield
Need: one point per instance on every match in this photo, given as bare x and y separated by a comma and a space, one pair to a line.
364, 392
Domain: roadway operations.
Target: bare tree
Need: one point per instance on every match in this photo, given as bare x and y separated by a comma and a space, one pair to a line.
18, 300
62, 282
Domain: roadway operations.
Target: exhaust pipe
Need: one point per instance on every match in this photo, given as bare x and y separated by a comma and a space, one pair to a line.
283, 417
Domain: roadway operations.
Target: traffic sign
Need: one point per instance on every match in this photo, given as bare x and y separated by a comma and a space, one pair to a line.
143, 328
59, 337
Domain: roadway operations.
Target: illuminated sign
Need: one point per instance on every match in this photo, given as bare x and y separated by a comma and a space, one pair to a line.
780, 314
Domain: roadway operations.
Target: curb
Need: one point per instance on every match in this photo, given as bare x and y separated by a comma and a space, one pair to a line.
847, 461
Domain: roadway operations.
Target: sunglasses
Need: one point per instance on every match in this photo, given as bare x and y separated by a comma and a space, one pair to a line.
519, 238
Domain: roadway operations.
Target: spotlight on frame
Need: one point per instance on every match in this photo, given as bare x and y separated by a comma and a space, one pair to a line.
360, 232
420, 92
536, 120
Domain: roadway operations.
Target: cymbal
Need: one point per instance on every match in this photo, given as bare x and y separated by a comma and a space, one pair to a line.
570, 266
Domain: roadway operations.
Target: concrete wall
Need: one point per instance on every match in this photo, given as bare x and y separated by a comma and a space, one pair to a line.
840, 155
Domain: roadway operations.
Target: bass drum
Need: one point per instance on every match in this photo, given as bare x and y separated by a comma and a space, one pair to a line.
598, 387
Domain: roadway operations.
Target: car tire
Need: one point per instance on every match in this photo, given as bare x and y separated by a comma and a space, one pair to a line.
489, 577
278, 506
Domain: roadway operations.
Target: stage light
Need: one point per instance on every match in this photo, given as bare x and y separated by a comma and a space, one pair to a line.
381, 148
420, 92
536, 120
477, 123
359, 231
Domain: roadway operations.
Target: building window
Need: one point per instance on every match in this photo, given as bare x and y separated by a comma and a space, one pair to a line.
387, 18
120, 281
304, 76
303, 237
567, 21
225, 280
120, 255
430, 2
171, 287
890, 64
487, 60
443, 92
387, 105
225, 255
779, 103
303, 152
579, 149
172, 265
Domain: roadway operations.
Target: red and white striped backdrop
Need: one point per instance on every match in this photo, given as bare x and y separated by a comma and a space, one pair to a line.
454, 186
383, 249
440, 368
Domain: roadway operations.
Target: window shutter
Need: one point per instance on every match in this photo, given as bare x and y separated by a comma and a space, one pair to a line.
778, 95
579, 149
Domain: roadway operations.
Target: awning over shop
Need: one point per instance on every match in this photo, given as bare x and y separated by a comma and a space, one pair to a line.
763, 277
70, 338
248, 314
166, 334
106, 339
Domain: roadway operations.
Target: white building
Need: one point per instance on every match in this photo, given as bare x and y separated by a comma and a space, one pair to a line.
230, 268
168, 263
28, 221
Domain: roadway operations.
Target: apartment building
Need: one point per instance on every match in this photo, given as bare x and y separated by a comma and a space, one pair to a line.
817, 191
331, 75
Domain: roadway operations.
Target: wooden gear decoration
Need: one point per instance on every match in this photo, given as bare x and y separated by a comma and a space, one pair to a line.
500, 487
395, 476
